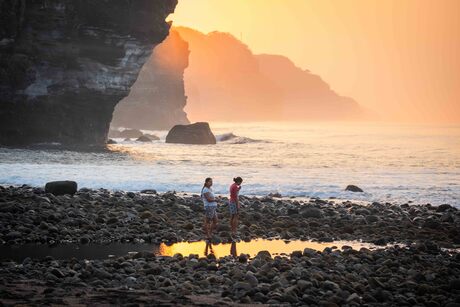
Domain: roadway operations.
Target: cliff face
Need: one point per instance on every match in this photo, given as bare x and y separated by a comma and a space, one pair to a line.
306, 95
157, 98
226, 81
65, 64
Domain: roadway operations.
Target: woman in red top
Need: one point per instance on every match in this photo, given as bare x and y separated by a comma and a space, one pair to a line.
234, 204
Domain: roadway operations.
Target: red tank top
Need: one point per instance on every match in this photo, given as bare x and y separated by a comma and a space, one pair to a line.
234, 189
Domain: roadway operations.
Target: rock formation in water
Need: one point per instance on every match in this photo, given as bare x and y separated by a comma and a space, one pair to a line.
197, 133
157, 98
226, 81
65, 64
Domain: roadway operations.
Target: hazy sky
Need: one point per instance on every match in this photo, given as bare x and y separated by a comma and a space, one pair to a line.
400, 57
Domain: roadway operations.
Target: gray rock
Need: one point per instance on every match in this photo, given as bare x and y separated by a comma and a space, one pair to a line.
242, 286
353, 188
264, 255
330, 285
372, 218
56, 272
310, 252
296, 254
12, 235
61, 187
251, 279
443, 207
303, 284
312, 212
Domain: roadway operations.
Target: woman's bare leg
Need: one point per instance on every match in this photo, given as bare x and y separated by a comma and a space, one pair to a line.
206, 228
213, 225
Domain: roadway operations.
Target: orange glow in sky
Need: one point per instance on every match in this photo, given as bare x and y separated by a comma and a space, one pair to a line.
397, 57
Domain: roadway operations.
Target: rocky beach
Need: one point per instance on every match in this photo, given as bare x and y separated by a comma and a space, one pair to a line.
420, 264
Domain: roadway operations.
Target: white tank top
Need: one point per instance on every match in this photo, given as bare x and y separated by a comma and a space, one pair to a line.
205, 201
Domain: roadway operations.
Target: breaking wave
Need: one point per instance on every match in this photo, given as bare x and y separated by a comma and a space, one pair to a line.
230, 138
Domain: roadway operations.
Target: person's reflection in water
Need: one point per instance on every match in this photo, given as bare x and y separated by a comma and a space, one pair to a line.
208, 249
233, 249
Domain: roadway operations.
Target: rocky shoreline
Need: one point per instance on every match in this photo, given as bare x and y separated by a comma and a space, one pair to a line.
395, 276
416, 271
29, 215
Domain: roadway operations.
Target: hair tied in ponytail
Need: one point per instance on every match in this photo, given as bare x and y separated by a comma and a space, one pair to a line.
238, 179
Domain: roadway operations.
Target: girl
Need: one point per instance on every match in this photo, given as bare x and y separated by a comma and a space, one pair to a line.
210, 206
234, 204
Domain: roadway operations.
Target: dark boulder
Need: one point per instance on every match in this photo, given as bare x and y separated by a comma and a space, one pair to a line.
61, 187
353, 188
149, 191
443, 207
110, 141
197, 133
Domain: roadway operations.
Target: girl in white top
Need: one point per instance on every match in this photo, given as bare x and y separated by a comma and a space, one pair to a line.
210, 206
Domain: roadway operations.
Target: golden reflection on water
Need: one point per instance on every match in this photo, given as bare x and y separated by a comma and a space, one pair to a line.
275, 247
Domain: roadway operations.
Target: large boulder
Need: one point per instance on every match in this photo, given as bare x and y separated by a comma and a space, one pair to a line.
197, 133
61, 187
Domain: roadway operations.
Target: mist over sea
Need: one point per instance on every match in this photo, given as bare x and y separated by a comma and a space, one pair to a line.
390, 162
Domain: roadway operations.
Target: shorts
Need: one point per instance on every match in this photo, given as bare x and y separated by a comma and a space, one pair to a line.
210, 212
232, 207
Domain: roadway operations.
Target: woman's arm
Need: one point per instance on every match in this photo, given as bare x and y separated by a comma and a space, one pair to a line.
208, 197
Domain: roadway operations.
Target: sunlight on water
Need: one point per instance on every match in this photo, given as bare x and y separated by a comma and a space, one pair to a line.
394, 163
275, 247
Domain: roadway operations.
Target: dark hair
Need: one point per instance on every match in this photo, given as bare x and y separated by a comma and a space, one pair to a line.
238, 179
205, 181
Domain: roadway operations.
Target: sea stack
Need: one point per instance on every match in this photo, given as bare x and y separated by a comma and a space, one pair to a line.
197, 133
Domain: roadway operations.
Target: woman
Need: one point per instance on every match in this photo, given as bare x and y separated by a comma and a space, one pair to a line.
210, 206
234, 204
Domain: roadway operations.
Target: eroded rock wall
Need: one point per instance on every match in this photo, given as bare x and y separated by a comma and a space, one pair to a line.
65, 64
157, 98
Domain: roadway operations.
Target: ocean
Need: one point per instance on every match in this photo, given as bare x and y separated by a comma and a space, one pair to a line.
395, 163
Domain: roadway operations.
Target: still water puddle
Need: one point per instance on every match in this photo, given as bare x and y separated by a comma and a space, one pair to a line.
275, 247
201, 248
